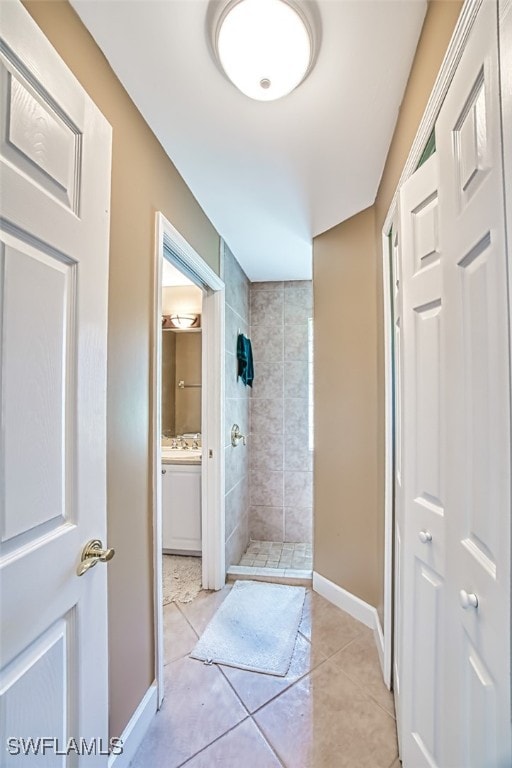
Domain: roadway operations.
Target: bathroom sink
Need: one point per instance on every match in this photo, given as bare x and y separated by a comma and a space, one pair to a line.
181, 454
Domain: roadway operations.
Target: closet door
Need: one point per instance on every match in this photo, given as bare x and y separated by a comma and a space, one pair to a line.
476, 361
423, 471
396, 294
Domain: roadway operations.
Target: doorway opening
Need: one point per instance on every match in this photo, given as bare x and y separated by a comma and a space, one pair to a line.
188, 458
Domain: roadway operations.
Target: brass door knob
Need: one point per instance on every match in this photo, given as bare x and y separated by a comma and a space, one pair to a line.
93, 553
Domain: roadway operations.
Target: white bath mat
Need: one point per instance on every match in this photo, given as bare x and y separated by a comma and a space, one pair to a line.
255, 628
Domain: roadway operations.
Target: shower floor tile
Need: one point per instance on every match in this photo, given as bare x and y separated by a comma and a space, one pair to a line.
275, 554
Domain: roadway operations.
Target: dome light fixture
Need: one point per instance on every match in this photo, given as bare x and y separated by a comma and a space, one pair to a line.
265, 47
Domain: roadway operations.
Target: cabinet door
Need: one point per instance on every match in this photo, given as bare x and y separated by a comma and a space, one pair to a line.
181, 507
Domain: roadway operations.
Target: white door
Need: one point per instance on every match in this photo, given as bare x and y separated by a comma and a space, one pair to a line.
423, 471
477, 415
396, 293
455, 682
55, 158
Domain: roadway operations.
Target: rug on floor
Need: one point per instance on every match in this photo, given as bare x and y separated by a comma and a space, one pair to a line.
181, 578
255, 628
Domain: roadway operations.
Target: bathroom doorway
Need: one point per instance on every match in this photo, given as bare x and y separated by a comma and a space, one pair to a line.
181, 435
188, 393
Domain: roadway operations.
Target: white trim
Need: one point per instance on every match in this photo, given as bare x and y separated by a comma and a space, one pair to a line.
136, 729
212, 482
357, 608
175, 240
212, 473
387, 637
447, 70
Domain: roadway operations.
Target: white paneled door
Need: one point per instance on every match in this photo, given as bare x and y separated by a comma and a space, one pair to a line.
455, 683
396, 287
423, 485
477, 416
55, 156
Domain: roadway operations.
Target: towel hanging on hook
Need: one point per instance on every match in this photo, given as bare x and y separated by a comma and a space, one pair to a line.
244, 357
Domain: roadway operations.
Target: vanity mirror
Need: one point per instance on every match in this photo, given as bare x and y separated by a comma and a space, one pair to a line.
181, 382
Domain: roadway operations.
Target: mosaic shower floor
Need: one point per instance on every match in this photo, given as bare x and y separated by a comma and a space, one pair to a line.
274, 554
276, 562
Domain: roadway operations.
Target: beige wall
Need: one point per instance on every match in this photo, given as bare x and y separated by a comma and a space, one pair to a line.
143, 181
345, 376
182, 298
349, 359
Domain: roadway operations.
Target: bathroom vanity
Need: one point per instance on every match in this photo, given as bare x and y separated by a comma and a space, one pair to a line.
181, 501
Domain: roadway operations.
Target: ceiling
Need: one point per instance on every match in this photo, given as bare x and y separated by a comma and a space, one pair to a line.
172, 276
269, 175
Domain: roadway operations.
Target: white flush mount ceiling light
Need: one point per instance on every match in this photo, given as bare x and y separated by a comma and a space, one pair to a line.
265, 47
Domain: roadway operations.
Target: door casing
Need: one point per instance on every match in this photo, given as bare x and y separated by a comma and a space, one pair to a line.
212, 420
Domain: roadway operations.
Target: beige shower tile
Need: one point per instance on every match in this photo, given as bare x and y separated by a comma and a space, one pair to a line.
296, 342
266, 521
266, 490
267, 417
298, 304
298, 489
292, 285
297, 455
297, 380
267, 347
269, 381
267, 308
269, 285
339, 724
298, 525
296, 416
267, 452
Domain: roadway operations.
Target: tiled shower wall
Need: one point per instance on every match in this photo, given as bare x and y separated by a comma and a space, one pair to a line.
281, 463
236, 412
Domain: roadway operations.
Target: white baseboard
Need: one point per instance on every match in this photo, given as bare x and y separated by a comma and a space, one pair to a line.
357, 608
136, 729
363, 612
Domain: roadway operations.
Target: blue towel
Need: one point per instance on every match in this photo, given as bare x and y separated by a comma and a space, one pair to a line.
244, 355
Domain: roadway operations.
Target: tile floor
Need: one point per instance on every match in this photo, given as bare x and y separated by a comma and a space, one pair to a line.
332, 710
273, 554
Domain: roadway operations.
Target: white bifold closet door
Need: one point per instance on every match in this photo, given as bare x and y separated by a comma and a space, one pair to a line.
455, 682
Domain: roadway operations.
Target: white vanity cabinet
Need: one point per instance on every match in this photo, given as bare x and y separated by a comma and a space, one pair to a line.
181, 508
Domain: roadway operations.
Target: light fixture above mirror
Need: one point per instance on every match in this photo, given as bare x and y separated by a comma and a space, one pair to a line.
265, 47
181, 321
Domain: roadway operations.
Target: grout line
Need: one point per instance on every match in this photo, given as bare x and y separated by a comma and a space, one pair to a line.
178, 658
187, 620
217, 738
226, 678
268, 743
